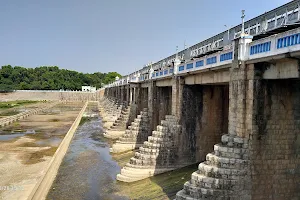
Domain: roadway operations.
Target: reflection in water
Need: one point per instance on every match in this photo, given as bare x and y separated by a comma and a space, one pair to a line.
87, 171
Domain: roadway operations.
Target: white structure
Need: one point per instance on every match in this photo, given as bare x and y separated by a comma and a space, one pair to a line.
88, 89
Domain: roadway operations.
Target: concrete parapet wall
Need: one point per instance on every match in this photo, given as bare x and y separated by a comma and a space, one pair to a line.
42, 188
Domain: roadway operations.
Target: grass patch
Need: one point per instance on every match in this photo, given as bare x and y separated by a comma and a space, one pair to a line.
29, 144
123, 158
37, 157
83, 120
159, 187
16, 124
38, 136
54, 120
12, 104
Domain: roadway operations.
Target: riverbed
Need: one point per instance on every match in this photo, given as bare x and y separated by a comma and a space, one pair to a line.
88, 170
26, 147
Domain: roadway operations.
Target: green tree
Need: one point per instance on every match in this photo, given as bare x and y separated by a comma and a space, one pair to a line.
50, 78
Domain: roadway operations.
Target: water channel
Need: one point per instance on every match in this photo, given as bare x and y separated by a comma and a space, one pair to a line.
88, 170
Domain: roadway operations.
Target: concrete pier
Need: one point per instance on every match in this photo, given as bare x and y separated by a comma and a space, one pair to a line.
240, 120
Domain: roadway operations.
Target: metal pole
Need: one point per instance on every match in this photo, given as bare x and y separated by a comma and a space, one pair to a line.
243, 22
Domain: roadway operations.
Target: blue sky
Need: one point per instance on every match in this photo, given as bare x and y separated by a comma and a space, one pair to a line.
112, 35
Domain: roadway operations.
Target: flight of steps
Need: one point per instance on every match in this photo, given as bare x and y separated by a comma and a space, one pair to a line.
121, 122
156, 155
223, 175
134, 135
119, 126
40, 107
110, 110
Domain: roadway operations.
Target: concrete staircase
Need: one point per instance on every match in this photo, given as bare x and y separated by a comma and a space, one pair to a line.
119, 126
110, 110
134, 135
156, 155
41, 107
218, 177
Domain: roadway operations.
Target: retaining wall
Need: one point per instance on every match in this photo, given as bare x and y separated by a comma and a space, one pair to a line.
43, 186
10, 119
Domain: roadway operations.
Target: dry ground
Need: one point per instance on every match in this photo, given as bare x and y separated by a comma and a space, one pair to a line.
23, 160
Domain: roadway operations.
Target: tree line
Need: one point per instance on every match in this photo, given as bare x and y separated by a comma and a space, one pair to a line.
50, 78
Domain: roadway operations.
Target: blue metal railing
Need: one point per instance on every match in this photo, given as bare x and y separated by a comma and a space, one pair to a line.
260, 48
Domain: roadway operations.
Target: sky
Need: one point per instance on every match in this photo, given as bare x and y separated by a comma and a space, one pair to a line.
112, 35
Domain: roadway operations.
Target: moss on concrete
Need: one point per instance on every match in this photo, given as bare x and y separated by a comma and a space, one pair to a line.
37, 156
123, 158
12, 104
159, 187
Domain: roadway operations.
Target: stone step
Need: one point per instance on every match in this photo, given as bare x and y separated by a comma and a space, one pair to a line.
124, 117
151, 145
202, 181
234, 141
127, 140
146, 150
181, 195
127, 131
135, 128
131, 133
205, 193
162, 129
156, 139
135, 173
118, 124
223, 162
138, 120
159, 134
125, 178
230, 152
145, 156
145, 162
167, 123
144, 115
215, 172
134, 167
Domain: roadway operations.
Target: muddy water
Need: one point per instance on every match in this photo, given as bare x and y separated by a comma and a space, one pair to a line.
87, 171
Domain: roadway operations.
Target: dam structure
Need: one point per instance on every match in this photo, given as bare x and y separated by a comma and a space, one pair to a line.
230, 103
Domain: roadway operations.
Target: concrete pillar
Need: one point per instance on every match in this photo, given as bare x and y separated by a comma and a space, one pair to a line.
134, 95
122, 94
241, 95
152, 100
130, 95
118, 93
177, 89
137, 97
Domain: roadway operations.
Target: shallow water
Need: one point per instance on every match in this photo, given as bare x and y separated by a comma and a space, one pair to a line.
53, 141
5, 135
88, 170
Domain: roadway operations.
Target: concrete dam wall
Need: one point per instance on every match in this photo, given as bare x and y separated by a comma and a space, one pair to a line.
49, 95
